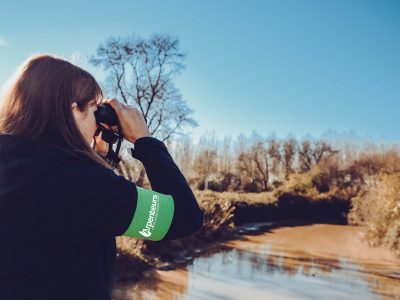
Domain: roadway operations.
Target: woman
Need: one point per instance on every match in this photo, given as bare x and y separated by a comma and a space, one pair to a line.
61, 205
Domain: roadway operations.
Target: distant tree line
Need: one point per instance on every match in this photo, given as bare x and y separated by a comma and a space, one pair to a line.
254, 164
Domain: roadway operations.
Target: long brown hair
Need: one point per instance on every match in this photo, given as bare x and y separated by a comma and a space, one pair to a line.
37, 100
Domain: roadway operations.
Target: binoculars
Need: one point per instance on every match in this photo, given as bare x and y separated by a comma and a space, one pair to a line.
106, 114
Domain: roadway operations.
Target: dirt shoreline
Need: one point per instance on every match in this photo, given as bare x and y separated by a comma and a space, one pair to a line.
315, 249
197, 250
225, 213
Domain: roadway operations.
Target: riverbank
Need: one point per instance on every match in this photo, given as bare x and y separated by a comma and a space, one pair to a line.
284, 262
223, 215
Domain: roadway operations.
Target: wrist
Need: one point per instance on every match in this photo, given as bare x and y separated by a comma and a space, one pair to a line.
134, 139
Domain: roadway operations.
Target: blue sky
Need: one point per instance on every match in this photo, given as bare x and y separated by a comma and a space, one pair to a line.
300, 67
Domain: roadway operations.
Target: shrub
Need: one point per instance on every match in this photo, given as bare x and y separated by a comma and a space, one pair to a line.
378, 208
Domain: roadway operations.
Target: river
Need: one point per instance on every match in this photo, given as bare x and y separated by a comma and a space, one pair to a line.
317, 261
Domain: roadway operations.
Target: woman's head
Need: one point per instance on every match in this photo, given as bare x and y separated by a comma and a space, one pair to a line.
52, 100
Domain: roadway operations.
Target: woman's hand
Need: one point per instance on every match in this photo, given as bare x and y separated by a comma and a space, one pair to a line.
132, 122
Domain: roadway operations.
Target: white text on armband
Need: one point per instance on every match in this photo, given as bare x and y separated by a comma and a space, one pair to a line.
152, 218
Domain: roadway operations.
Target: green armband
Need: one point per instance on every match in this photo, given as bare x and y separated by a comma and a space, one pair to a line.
153, 215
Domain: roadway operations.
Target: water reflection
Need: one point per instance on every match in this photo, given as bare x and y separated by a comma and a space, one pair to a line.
263, 267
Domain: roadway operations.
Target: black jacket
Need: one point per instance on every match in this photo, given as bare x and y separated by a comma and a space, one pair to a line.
60, 213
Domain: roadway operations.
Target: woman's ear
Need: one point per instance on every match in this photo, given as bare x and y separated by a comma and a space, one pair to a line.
74, 105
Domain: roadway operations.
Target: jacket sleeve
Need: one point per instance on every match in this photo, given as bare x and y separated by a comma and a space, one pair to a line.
101, 202
113, 206
166, 178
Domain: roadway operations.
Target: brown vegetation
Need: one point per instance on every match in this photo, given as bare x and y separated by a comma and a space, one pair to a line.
259, 179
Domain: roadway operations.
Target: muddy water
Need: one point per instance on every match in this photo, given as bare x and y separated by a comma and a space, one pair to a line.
318, 261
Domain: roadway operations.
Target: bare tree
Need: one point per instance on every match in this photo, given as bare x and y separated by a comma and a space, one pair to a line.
289, 151
275, 154
141, 73
262, 161
244, 168
322, 148
183, 153
225, 157
305, 156
205, 162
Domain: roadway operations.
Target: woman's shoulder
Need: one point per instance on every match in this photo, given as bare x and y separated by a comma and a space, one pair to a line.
91, 173
84, 168
85, 184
